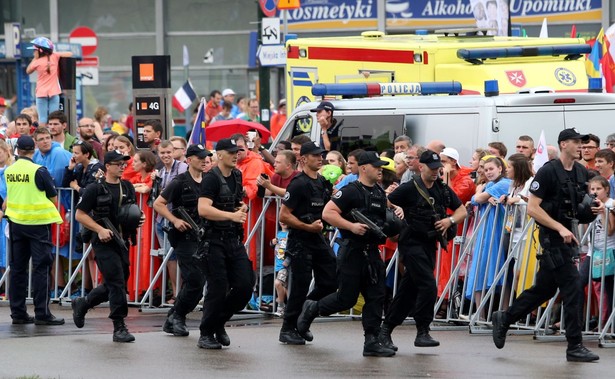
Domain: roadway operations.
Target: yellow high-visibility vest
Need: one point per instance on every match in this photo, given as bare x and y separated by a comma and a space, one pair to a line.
26, 204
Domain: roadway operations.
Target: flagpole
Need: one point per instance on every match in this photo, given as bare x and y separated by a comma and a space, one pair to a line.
186, 61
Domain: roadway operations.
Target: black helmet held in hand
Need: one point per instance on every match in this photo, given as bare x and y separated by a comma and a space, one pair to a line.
129, 217
393, 224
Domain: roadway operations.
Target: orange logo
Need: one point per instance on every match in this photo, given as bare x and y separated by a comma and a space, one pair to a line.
146, 72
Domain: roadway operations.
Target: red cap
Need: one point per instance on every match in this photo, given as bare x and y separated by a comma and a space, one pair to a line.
2, 102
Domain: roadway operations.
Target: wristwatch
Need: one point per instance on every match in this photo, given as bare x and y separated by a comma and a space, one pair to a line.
261, 148
452, 220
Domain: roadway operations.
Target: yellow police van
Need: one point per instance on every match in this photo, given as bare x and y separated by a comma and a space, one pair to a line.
462, 122
517, 63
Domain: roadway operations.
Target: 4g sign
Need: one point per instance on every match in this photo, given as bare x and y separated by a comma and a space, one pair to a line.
147, 106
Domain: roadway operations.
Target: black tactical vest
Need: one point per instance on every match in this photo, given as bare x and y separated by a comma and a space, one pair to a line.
104, 199
227, 200
374, 207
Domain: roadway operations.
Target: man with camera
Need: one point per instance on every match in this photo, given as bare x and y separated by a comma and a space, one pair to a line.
424, 200
301, 210
360, 268
558, 203
182, 193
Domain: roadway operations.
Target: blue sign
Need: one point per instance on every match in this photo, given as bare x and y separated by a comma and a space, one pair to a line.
323, 15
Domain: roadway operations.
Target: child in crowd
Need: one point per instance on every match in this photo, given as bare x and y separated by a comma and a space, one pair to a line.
602, 254
281, 267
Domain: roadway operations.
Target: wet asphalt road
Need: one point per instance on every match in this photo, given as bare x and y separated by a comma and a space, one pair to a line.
67, 352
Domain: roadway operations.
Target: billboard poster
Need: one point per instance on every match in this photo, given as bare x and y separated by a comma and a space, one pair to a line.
491, 15
360, 15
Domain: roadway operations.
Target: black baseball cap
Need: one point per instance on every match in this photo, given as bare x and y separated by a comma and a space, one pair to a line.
371, 157
199, 151
571, 133
115, 155
311, 148
25, 142
326, 105
228, 145
431, 159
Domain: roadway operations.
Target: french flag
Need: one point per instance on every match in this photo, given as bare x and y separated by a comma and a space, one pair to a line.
184, 97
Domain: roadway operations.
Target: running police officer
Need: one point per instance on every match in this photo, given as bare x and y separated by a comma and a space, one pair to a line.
556, 203
30, 208
424, 200
301, 210
228, 270
183, 195
360, 267
106, 205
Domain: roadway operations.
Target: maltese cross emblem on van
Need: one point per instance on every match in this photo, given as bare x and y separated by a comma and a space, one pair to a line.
516, 78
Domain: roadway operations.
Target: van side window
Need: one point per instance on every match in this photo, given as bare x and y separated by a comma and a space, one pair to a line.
456, 129
368, 131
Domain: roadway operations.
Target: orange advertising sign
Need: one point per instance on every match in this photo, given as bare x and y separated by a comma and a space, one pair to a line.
146, 72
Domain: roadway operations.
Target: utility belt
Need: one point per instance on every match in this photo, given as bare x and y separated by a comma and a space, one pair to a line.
357, 245
223, 234
302, 235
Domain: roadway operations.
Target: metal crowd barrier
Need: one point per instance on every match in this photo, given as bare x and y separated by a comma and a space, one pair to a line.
468, 304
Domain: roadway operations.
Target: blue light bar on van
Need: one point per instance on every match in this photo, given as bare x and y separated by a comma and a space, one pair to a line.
527, 51
371, 89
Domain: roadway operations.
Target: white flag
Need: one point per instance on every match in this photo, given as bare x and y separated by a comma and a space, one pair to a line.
542, 155
544, 32
186, 57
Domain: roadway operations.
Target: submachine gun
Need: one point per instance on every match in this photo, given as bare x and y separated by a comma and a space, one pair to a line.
117, 237
197, 231
360, 217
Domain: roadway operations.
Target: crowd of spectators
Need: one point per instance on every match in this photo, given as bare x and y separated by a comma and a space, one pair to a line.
492, 181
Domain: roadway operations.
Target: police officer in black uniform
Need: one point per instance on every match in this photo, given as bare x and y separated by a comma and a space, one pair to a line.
228, 270
360, 267
184, 192
301, 210
424, 200
112, 199
557, 204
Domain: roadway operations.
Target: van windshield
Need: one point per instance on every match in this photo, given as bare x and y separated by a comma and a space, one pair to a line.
369, 132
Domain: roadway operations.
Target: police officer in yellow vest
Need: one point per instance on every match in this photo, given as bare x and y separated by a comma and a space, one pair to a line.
30, 208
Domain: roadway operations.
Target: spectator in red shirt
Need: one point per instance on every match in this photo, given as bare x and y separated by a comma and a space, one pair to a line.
278, 119
213, 106
285, 170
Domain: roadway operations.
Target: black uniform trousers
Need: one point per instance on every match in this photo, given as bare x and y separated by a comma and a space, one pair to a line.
115, 268
230, 280
417, 290
360, 269
566, 278
30, 241
193, 277
308, 255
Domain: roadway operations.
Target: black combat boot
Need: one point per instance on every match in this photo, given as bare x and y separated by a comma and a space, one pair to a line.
208, 342
167, 327
384, 337
290, 336
579, 353
423, 339
307, 316
373, 348
222, 337
120, 332
80, 308
179, 326
499, 321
